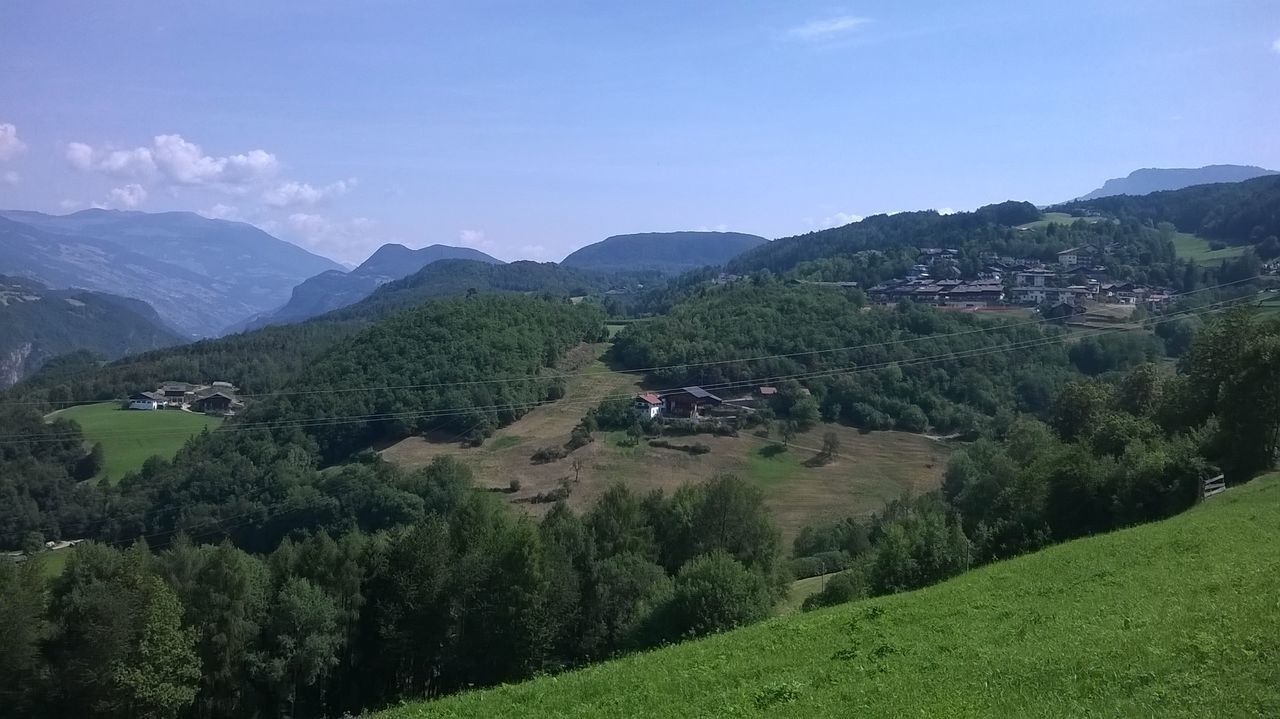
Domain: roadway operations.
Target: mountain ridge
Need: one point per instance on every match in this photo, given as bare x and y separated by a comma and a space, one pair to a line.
201, 275
38, 323
1146, 180
334, 289
666, 252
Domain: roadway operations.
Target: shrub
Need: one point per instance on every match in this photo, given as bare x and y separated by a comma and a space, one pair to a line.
715, 592
549, 454
844, 587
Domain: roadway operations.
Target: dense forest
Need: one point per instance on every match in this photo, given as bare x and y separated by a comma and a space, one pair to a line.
1112, 452
264, 360
1236, 212
468, 593
863, 365
272, 454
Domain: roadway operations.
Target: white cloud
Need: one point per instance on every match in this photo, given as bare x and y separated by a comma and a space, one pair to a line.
221, 212
476, 239
827, 28
713, 228
343, 240
70, 204
176, 160
534, 252
297, 194
10, 145
946, 211
129, 196
1275, 45
840, 218
10, 178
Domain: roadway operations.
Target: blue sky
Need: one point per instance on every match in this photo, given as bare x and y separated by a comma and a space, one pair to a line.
530, 129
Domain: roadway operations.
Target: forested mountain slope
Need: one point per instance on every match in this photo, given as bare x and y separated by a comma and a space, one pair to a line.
883, 232
823, 331
666, 252
37, 323
265, 359
335, 289
1123, 624
450, 278
1160, 179
1236, 212
201, 275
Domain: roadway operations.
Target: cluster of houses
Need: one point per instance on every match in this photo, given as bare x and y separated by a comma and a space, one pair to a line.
696, 403
213, 398
1077, 276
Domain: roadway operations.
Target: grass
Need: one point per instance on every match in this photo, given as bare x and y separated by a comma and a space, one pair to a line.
872, 469
1179, 618
801, 589
52, 563
129, 437
1197, 249
1060, 218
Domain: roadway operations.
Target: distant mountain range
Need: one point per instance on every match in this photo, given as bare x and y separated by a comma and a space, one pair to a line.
37, 323
200, 275
1153, 179
453, 278
334, 289
666, 252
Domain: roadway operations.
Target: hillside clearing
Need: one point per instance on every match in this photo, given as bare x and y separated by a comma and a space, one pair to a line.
872, 469
130, 437
1061, 218
1176, 618
1197, 249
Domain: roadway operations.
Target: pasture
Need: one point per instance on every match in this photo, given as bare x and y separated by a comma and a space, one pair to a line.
129, 437
871, 469
1172, 619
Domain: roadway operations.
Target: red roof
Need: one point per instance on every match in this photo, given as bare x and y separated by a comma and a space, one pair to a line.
650, 398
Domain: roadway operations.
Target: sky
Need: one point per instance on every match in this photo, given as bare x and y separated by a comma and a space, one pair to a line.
527, 130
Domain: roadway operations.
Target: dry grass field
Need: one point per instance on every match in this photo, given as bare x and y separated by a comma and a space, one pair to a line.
870, 470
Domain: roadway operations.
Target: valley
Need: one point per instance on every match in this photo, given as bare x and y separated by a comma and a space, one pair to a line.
478, 474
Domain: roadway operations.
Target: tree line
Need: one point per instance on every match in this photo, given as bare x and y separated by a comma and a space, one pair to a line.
1114, 451
469, 594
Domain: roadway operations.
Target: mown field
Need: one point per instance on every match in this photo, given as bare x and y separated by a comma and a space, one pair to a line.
1061, 218
129, 437
1175, 619
1197, 249
871, 469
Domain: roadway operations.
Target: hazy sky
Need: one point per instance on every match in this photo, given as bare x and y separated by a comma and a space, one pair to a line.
529, 129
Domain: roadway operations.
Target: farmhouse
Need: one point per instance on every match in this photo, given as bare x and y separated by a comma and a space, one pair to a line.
145, 401
648, 405
690, 401
217, 397
216, 403
1036, 277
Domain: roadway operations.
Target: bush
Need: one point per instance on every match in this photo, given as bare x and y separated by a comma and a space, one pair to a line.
715, 592
549, 454
696, 448
844, 587
513, 486
581, 437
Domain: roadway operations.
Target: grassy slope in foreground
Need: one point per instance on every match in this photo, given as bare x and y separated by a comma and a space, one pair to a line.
1178, 618
129, 437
